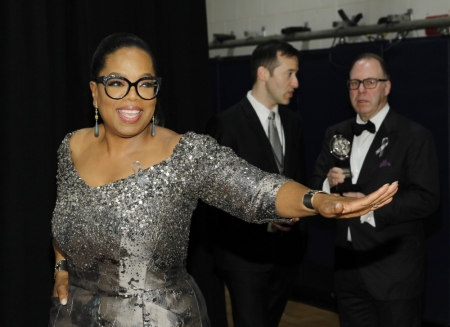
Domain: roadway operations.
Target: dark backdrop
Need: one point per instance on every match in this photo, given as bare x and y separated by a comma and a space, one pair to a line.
46, 47
420, 73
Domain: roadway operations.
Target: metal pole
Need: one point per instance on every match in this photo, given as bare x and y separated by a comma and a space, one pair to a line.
342, 32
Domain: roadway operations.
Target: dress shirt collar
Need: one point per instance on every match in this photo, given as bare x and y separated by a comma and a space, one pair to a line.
261, 110
377, 120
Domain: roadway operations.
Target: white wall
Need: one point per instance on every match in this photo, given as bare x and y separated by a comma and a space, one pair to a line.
238, 16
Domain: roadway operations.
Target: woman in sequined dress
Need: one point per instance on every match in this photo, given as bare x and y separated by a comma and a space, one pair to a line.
126, 192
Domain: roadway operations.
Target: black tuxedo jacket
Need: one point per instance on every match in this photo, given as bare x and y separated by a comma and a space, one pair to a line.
390, 257
245, 246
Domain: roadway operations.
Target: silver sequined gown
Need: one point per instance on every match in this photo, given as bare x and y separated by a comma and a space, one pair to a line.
126, 242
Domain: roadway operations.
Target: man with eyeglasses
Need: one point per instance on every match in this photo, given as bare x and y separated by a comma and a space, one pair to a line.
379, 257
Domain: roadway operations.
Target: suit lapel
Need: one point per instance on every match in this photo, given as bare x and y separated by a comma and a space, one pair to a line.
289, 145
379, 149
257, 129
346, 131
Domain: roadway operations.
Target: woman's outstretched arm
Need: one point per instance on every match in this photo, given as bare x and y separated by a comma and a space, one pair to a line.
289, 202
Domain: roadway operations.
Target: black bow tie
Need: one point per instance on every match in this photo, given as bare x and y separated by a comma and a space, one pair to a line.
359, 128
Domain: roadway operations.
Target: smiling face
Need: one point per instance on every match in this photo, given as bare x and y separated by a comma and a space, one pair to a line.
368, 102
281, 83
131, 115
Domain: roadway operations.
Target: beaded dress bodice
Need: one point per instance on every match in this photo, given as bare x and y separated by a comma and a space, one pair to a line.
126, 242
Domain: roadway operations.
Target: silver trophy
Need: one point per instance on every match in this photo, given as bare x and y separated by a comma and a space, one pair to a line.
340, 148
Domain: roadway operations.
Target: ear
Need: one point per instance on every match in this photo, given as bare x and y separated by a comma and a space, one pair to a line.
387, 88
94, 91
263, 73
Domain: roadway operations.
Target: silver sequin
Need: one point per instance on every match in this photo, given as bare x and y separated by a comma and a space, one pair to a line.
126, 242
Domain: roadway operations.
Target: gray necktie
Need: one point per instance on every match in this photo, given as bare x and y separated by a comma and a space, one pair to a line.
275, 142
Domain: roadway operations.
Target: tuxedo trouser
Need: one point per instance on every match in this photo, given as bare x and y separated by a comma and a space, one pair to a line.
258, 299
201, 267
357, 308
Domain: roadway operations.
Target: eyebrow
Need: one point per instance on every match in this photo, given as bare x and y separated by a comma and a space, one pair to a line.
367, 78
123, 75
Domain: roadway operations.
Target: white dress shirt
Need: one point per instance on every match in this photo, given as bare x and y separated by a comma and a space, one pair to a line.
360, 147
263, 114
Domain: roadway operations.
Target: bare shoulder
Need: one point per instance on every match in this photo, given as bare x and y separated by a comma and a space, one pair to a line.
169, 137
81, 140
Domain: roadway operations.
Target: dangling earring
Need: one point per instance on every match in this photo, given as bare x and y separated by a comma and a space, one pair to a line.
96, 122
153, 127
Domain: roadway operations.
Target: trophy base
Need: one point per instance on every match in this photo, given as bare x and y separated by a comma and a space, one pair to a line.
343, 188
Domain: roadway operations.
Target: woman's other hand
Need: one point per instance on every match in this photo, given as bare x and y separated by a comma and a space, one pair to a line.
60, 289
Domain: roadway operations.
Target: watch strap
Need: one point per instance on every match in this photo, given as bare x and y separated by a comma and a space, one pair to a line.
308, 198
61, 265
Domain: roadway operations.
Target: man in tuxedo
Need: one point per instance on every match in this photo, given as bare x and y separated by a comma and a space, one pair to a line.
379, 257
260, 263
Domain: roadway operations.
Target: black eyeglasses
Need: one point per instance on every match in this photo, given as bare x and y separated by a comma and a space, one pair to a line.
369, 83
117, 87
